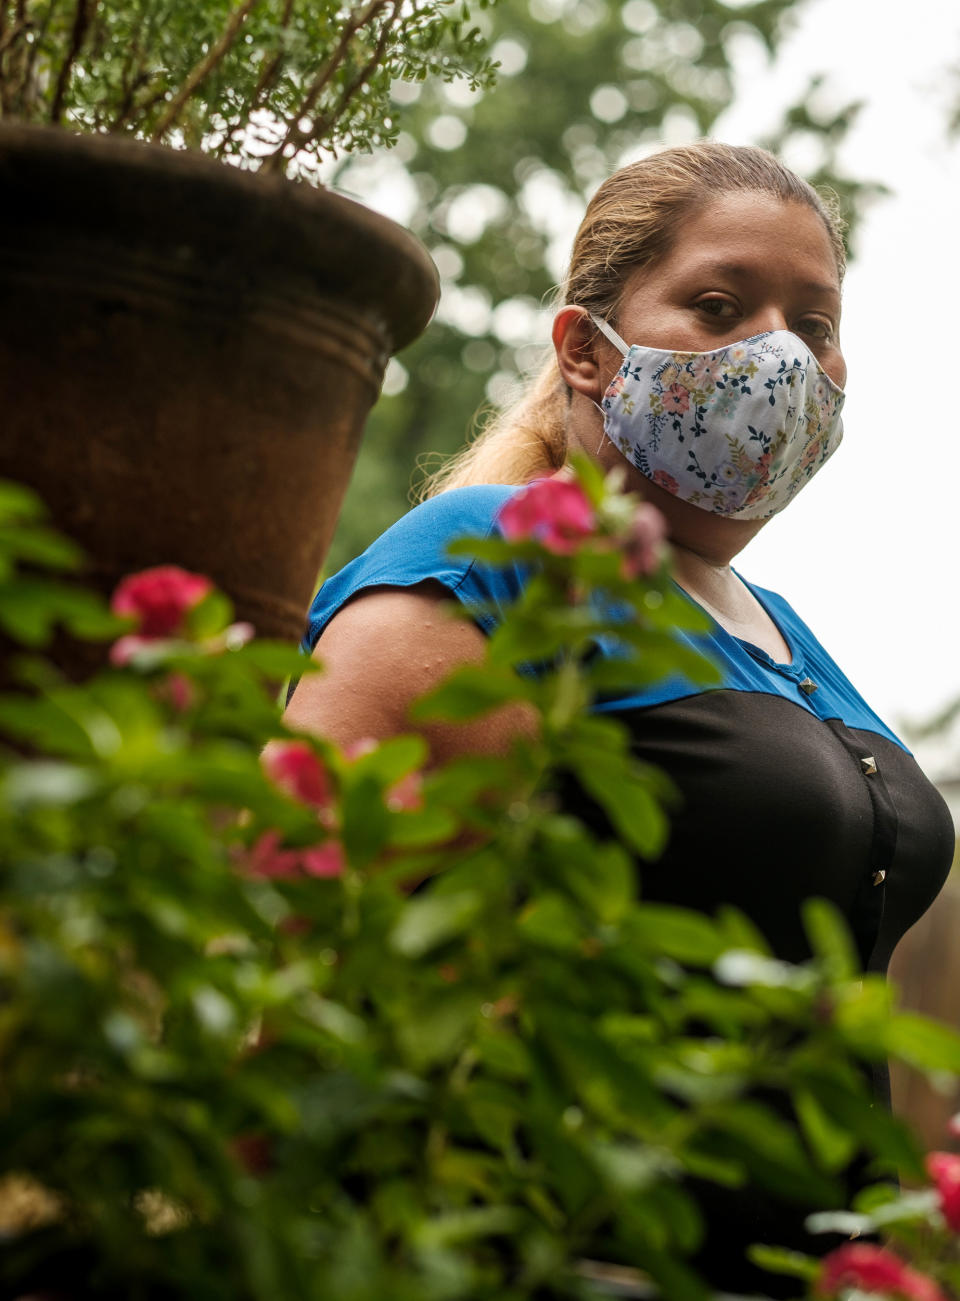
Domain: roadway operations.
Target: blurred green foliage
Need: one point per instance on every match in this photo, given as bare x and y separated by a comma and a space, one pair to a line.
223, 1081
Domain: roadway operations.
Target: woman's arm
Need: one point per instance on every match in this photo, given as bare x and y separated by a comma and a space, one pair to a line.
381, 652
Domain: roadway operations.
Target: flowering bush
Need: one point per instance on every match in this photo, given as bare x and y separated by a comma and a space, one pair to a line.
265, 1034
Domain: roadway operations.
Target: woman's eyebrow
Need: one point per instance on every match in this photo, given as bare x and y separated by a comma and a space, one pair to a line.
744, 271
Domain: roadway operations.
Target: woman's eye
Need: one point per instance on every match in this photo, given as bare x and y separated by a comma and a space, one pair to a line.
817, 328
721, 307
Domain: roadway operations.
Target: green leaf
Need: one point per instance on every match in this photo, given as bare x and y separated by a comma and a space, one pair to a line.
778, 1260
676, 933
20, 503
852, 1107
392, 759
923, 1043
832, 1143
740, 932
921, 1207
602, 877
421, 828
44, 783
771, 1149
632, 1167
470, 692
209, 616
276, 659
431, 920
497, 1112
435, 1029
592, 480
30, 609
465, 1226
365, 820
830, 939
40, 546
552, 922
504, 1054
634, 809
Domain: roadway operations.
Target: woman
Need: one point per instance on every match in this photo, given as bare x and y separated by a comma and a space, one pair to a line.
718, 273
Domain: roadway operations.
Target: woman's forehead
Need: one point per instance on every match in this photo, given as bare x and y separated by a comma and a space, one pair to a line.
745, 234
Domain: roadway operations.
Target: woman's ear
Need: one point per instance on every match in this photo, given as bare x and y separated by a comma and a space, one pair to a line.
575, 340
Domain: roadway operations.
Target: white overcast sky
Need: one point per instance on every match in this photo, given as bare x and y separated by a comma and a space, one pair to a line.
868, 554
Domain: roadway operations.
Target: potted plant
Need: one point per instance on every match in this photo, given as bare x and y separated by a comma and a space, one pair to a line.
189, 348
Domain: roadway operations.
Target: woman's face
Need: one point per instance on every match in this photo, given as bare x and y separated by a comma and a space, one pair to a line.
747, 263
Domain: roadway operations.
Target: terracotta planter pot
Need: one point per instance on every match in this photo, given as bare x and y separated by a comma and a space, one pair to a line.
187, 357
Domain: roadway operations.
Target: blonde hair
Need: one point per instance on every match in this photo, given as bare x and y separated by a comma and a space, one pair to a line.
630, 222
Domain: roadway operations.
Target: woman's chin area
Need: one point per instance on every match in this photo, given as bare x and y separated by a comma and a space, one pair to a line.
715, 538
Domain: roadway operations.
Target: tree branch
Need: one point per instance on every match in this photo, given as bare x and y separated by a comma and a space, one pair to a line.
11, 83
328, 70
268, 75
202, 70
81, 21
128, 107
35, 50
272, 66
321, 124
12, 33
8, 37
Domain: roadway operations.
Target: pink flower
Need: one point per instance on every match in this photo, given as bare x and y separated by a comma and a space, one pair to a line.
874, 1269
295, 767
641, 549
944, 1169
676, 399
666, 481
554, 511
159, 599
269, 859
324, 860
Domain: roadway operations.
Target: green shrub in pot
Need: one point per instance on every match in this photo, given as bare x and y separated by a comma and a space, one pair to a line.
270, 84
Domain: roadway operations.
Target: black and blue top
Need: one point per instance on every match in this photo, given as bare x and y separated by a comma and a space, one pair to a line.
791, 785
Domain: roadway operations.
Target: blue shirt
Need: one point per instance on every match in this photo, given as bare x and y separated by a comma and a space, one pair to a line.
415, 549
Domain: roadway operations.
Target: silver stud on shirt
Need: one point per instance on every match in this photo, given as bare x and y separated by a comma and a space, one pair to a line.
879, 877
808, 686
869, 765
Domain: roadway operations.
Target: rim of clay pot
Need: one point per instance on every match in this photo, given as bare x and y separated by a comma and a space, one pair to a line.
116, 187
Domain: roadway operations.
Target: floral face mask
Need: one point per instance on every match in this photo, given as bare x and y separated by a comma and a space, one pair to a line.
737, 432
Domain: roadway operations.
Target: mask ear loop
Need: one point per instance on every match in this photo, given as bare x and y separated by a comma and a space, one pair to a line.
619, 344
611, 334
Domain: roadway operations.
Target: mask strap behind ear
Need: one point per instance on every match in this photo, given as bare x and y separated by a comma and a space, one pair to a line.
610, 332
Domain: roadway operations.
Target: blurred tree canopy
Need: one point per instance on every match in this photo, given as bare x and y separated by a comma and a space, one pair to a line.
496, 182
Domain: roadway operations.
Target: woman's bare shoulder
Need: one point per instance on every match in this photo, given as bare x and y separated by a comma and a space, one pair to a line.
381, 652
